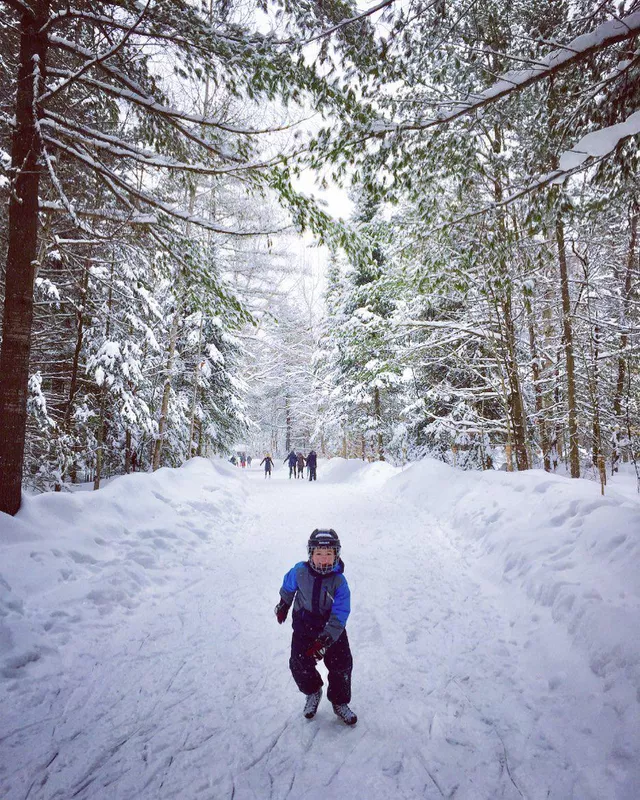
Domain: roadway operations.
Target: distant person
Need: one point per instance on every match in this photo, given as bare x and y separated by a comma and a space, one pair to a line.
292, 460
312, 463
249, 461
268, 464
233, 461
243, 461
301, 463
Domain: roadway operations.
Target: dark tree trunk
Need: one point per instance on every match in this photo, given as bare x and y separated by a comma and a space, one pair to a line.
22, 264
516, 409
166, 393
73, 388
378, 415
624, 338
567, 330
537, 388
287, 409
127, 451
100, 437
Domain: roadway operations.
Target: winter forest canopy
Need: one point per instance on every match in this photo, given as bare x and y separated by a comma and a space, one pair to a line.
480, 304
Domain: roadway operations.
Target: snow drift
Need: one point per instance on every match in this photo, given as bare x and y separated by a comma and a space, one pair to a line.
558, 540
344, 470
68, 558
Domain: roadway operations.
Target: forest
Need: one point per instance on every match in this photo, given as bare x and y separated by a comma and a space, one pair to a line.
480, 303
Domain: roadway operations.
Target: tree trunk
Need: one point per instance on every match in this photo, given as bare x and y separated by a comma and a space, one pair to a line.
287, 410
515, 404
378, 417
537, 389
22, 263
624, 337
516, 407
166, 393
127, 451
567, 330
194, 401
100, 442
73, 387
596, 444
100, 436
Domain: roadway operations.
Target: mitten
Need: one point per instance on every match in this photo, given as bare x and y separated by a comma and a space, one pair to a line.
281, 611
319, 647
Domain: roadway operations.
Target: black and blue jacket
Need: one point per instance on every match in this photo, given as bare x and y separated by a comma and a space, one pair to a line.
322, 602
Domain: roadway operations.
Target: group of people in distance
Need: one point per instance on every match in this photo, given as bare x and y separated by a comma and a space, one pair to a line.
297, 463
241, 459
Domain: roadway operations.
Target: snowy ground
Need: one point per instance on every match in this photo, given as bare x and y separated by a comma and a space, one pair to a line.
494, 630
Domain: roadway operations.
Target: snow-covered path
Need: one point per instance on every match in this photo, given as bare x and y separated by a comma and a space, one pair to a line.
462, 689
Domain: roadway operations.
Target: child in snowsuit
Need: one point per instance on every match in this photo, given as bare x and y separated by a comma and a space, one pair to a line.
321, 602
300, 459
268, 464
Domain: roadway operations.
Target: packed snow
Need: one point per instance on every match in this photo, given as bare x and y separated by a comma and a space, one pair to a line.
494, 629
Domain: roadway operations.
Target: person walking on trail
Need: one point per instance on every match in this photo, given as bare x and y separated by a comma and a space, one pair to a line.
321, 600
268, 464
301, 462
312, 463
292, 460
249, 462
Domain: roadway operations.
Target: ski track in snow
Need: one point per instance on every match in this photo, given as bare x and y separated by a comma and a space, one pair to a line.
188, 695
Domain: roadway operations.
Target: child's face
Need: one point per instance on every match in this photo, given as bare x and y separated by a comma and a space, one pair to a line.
323, 556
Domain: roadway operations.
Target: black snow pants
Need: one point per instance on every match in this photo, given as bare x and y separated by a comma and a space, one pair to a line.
338, 662
312, 473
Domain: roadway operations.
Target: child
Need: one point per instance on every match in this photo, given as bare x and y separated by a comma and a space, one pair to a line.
320, 611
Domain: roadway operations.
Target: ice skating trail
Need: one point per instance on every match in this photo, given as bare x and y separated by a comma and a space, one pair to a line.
462, 691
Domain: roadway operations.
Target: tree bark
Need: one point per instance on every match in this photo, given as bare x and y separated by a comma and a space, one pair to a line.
100, 434
100, 441
537, 389
503, 303
624, 337
73, 387
287, 411
196, 372
166, 393
26, 169
516, 408
567, 330
378, 416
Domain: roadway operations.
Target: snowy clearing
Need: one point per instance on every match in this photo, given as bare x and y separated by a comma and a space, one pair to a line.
494, 633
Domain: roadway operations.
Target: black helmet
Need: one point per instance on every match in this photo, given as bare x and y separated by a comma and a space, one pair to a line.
323, 537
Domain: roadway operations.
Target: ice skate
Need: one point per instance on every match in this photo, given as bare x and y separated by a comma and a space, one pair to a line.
343, 711
311, 706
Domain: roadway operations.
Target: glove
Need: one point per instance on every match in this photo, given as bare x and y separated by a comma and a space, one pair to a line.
281, 611
319, 647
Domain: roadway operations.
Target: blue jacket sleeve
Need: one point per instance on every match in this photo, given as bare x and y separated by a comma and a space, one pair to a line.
339, 611
289, 585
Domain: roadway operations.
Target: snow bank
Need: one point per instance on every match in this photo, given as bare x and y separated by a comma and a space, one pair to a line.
353, 470
557, 539
70, 559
